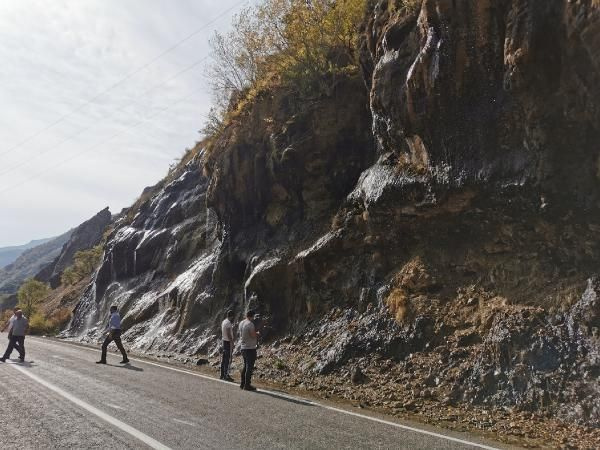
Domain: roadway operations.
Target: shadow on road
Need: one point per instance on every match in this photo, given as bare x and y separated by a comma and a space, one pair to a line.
19, 363
297, 401
127, 366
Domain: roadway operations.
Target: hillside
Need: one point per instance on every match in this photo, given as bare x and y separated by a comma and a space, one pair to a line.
83, 237
425, 229
9, 254
29, 263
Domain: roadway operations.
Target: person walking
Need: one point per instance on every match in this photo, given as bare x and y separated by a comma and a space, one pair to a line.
17, 329
249, 341
114, 334
227, 336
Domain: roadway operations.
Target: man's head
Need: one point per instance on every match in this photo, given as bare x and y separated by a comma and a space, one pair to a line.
113, 309
230, 314
250, 314
19, 313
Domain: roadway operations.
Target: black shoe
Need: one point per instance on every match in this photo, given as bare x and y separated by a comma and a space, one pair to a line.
3, 359
22, 359
249, 388
125, 361
100, 362
241, 386
229, 379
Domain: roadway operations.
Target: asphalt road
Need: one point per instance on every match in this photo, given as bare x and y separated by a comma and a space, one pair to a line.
59, 398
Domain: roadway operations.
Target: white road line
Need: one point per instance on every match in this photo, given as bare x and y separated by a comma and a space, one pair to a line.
152, 443
287, 396
191, 424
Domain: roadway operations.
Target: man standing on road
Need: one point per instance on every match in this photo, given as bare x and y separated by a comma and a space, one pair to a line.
249, 341
18, 327
114, 334
227, 333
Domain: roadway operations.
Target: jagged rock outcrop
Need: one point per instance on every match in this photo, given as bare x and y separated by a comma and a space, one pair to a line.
442, 213
85, 236
29, 263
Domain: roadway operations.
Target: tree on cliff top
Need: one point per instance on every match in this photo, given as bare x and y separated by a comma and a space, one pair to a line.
293, 42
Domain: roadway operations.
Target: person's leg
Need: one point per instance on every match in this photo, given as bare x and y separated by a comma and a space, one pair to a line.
228, 371
17, 346
243, 379
117, 339
9, 349
107, 341
251, 359
225, 359
21, 348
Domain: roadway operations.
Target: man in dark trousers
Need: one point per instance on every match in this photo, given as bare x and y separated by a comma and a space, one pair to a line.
249, 341
227, 333
114, 334
17, 328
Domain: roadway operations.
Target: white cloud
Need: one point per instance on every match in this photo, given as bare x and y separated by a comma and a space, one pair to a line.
55, 57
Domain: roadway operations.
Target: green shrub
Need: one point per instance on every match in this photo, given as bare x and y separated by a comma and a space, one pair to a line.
30, 294
84, 263
39, 323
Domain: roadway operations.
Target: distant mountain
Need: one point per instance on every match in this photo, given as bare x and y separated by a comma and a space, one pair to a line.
29, 262
85, 236
10, 254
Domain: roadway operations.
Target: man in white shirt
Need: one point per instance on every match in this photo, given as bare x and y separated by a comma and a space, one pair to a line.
114, 334
227, 334
249, 341
17, 329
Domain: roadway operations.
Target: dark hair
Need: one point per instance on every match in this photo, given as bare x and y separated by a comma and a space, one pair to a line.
230, 313
114, 308
250, 313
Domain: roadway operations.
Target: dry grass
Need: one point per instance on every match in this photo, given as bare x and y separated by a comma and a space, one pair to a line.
41, 324
411, 281
397, 302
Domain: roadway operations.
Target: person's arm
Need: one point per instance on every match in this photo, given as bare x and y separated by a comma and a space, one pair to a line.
231, 337
107, 330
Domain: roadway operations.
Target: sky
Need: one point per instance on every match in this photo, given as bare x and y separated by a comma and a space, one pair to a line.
97, 99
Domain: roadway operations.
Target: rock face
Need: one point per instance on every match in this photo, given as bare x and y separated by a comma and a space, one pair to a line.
489, 91
85, 236
29, 263
441, 212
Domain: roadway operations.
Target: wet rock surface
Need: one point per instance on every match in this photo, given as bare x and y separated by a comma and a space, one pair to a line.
426, 244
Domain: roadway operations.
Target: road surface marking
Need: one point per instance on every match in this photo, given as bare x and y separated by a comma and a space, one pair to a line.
309, 402
102, 415
184, 422
110, 405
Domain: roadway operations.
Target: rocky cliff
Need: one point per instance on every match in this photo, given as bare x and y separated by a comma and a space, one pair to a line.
85, 236
438, 213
